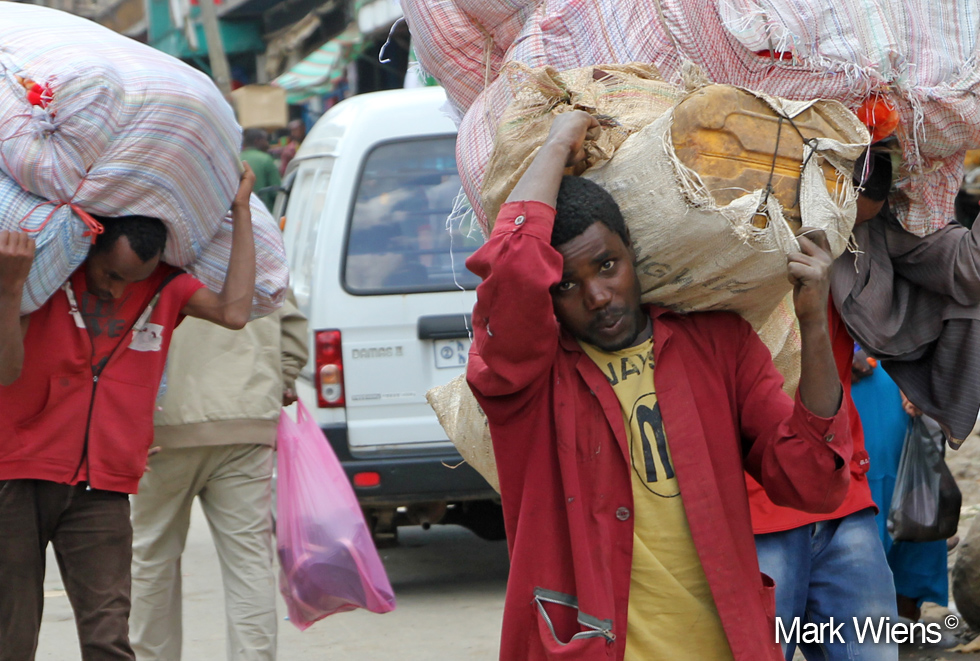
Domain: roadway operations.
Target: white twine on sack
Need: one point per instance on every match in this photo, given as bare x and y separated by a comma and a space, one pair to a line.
391, 33
462, 212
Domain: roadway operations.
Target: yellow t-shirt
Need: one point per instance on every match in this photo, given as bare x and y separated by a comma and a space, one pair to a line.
672, 614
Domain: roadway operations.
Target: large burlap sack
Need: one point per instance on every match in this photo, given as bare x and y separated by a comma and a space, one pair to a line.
517, 111
695, 252
466, 426
128, 130
624, 98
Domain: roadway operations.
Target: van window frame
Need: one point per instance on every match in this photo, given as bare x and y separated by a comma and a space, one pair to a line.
352, 206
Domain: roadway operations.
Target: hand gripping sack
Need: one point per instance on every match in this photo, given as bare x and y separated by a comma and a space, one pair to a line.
327, 558
926, 502
624, 98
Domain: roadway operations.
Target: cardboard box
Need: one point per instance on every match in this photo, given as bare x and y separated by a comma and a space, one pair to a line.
261, 106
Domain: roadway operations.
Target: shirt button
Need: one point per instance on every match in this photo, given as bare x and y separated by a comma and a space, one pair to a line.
519, 220
622, 514
828, 438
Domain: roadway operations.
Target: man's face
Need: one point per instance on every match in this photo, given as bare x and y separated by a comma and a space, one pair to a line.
867, 209
598, 298
108, 273
297, 131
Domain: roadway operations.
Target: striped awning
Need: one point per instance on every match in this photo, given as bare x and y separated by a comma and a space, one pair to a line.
319, 72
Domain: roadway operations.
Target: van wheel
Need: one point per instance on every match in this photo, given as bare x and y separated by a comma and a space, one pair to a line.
484, 518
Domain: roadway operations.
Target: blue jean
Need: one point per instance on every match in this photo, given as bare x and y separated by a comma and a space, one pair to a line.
833, 569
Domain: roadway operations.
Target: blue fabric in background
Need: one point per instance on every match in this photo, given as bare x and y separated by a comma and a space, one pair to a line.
920, 568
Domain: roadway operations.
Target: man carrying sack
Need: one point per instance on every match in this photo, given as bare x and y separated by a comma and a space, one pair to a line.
79, 379
621, 433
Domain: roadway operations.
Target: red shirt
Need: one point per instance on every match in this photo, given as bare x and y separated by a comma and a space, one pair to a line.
560, 447
109, 321
79, 413
768, 517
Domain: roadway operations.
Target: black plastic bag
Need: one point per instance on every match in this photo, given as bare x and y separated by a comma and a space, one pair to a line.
926, 502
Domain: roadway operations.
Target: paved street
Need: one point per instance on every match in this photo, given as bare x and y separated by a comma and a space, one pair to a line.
449, 584
450, 588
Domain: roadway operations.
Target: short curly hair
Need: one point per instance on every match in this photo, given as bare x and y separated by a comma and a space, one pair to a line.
581, 203
147, 236
878, 183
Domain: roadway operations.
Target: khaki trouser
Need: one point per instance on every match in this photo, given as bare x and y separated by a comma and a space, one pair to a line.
234, 483
90, 532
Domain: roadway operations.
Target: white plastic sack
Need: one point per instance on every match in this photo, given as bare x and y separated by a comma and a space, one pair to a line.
129, 130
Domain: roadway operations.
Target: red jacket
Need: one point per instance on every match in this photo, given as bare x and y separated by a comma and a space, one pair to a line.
768, 517
560, 447
61, 420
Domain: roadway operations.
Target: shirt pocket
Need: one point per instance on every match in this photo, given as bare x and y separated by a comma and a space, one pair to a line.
768, 596
567, 632
67, 400
123, 417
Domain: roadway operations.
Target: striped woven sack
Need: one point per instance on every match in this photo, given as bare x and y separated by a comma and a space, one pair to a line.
271, 269
453, 48
61, 243
118, 128
921, 56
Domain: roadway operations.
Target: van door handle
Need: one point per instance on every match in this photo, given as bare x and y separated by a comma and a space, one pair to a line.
444, 326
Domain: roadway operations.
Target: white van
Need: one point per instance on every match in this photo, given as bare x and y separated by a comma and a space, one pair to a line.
383, 283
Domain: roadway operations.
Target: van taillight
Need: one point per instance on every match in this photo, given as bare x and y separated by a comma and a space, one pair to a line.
329, 369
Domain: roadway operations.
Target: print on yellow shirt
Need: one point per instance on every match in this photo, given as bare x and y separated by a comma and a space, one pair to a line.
672, 614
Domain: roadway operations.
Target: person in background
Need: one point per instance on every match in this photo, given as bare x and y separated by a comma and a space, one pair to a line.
919, 568
286, 153
255, 152
78, 384
217, 432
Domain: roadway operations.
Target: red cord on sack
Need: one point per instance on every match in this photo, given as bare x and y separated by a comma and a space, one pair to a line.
40, 94
94, 227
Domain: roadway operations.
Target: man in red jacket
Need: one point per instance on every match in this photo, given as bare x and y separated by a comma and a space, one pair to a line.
621, 433
78, 383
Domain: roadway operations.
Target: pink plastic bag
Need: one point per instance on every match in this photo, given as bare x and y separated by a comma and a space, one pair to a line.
329, 563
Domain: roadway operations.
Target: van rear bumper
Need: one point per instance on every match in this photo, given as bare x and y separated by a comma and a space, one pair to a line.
408, 479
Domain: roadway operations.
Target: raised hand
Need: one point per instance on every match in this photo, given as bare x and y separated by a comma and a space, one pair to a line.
16, 257
809, 271
245, 185
571, 129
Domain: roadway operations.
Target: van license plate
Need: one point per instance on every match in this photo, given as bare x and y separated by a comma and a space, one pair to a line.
451, 353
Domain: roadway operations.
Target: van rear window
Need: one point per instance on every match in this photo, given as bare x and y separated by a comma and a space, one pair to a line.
398, 240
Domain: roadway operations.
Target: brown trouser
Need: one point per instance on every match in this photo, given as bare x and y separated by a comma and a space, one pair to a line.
92, 538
